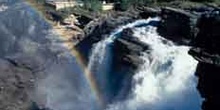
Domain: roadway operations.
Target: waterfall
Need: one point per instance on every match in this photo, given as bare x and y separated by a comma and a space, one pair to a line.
99, 49
166, 80
100, 57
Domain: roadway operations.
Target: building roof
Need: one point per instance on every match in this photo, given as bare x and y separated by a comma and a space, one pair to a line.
59, 0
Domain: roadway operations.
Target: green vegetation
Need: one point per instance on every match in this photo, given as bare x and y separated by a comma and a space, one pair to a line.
92, 5
125, 4
92, 8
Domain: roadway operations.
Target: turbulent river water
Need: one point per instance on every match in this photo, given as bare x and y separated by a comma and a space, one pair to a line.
165, 81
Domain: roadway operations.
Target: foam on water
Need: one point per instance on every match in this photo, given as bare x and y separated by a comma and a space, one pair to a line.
100, 57
166, 80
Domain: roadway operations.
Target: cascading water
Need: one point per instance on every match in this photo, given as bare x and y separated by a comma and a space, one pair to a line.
164, 82
166, 79
100, 58
98, 52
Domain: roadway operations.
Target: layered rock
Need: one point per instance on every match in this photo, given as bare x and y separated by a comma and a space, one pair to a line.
126, 60
128, 49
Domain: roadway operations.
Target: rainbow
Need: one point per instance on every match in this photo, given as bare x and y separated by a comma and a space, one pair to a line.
89, 77
80, 60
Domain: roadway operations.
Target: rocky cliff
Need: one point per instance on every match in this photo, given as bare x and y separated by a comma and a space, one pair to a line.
206, 51
28, 50
26, 53
183, 26
126, 49
101, 27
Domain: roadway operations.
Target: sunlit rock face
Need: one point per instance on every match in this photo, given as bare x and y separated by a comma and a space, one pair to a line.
28, 43
20, 53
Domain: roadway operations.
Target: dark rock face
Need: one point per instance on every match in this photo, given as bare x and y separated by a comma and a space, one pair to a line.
208, 85
206, 51
177, 25
128, 49
146, 12
101, 28
208, 36
126, 60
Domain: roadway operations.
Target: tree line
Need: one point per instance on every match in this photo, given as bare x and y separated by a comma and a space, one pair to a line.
95, 5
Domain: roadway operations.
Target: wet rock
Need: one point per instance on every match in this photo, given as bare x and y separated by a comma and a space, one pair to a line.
202, 56
101, 28
128, 52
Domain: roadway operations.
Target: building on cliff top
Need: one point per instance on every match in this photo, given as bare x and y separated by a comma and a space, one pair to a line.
60, 4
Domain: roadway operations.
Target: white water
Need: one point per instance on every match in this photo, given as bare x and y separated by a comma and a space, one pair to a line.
166, 80
100, 57
99, 49
3, 8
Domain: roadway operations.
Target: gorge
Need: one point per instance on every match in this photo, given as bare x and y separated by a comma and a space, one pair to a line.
141, 59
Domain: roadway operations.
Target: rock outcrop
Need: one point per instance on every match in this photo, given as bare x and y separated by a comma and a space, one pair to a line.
177, 25
102, 27
128, 49
189, 27
206, 50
